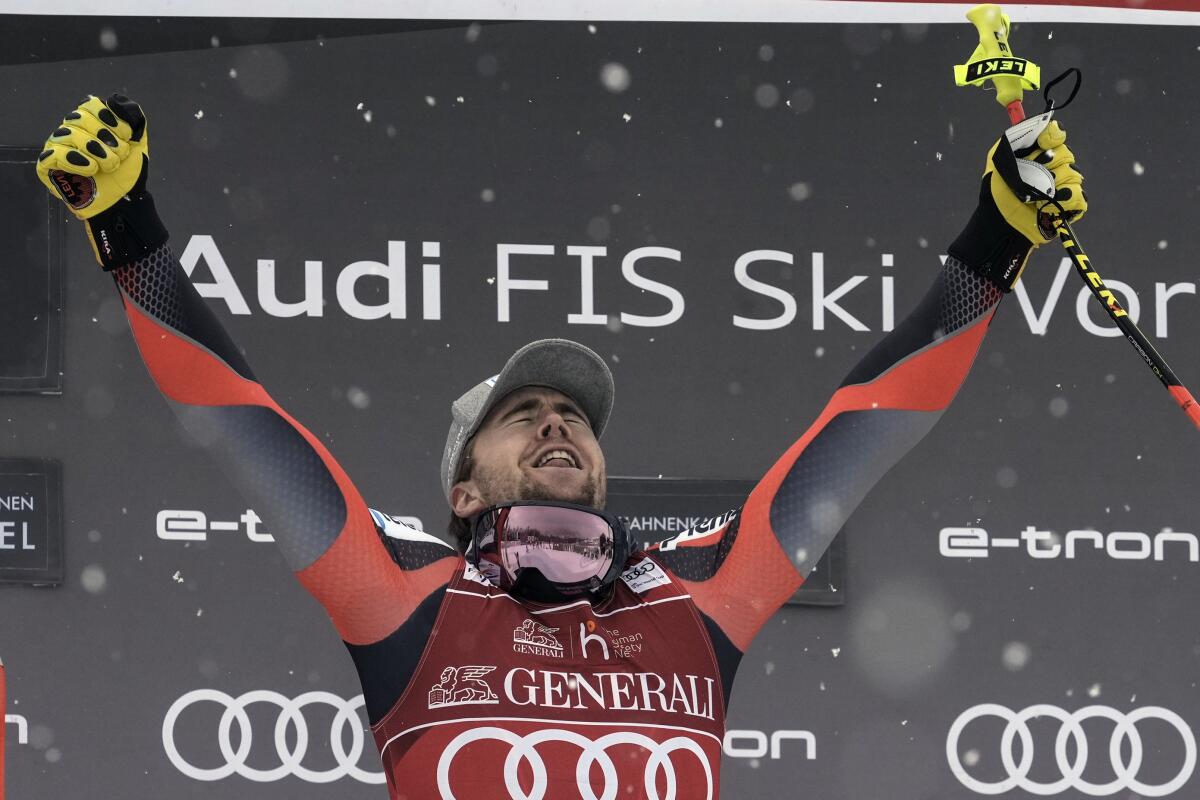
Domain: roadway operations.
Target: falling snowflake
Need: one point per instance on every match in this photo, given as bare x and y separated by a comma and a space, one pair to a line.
766, 95
1015, 656
1006, 477
615, 77
93, 579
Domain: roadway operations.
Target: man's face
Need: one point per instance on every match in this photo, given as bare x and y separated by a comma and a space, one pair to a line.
535, 444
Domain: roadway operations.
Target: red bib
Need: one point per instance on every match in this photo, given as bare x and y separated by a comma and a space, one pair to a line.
523, 702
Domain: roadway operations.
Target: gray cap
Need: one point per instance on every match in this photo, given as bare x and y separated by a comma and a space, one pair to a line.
559, 364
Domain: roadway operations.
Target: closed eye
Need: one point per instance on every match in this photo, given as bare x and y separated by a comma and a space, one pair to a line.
571, 413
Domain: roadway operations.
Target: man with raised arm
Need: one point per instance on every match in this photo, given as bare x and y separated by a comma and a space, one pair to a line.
543, 655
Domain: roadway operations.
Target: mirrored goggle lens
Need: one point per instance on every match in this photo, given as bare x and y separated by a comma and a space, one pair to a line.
567, 545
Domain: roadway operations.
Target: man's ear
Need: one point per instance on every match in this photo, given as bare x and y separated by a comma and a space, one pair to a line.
465, 499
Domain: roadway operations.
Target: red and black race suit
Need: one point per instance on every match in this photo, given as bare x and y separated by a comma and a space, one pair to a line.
472, 694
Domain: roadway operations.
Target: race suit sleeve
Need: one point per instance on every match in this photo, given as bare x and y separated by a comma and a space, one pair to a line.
744, 566
371, 585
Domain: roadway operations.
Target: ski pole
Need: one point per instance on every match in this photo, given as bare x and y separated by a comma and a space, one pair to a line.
993, 60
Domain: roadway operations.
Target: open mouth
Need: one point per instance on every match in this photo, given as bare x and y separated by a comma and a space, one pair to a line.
560, 459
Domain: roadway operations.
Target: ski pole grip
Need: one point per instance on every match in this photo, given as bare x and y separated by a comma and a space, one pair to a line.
993, 60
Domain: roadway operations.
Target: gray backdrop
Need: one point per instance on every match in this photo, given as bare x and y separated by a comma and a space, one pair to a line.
714, 140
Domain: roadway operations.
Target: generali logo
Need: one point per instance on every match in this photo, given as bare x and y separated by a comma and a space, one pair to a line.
532, 638
462, 686
605, 690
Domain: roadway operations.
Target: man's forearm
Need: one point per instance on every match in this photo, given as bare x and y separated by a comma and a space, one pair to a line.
891, 399
958, 299
318, 519
196, 365
159, 288
887, 403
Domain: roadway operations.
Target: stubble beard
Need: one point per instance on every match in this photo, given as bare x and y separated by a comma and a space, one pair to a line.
519, 488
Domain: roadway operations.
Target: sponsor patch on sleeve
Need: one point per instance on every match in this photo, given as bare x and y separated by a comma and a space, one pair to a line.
407, 528
644, 576
706, 528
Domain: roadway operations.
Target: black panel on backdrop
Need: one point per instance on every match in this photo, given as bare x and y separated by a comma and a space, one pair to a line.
31, 533
30, 279
659, 508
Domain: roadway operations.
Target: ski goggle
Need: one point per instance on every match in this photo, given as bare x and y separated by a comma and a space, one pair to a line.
575, 548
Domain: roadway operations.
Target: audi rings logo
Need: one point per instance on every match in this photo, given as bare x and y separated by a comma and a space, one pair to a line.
1071, 729
291, 716
524, 749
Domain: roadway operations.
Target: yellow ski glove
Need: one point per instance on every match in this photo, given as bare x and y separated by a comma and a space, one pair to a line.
1052, 153
97, 162
1034, 158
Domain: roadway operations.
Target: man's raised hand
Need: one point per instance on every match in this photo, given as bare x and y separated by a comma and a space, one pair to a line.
1004, 228
96, 161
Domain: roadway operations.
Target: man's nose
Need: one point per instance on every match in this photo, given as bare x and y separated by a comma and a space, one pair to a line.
552, 423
